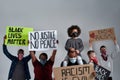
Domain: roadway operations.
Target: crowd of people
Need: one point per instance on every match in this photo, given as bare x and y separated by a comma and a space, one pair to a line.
19, 69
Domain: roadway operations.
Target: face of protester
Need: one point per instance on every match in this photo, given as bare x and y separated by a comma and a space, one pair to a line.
43, 59
20, 55
74, 30
74, 33
104, 54
72, 56
103, 50
72, 53
92, 55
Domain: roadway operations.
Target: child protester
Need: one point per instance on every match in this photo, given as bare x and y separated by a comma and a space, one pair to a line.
74, 42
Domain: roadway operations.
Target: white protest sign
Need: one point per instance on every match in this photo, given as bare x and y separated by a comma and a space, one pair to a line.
42, 40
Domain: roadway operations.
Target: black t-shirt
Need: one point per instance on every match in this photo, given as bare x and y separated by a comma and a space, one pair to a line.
19, 73
71, 64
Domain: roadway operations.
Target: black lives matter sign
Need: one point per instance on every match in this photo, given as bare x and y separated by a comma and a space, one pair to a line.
17, 35
43, 40
101, 73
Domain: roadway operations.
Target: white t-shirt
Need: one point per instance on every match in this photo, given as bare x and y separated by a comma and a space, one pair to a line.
109, 63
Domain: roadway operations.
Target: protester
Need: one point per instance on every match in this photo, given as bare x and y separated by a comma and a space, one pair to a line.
93, 60
72, 58
74, 42
43, 68
19, 66
105, 58
92, 57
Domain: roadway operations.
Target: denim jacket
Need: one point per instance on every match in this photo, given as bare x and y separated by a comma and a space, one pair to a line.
15, 60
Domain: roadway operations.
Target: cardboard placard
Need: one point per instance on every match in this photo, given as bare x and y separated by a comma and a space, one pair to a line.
101, 73
102, 34
42, 40
77, 72
17, 35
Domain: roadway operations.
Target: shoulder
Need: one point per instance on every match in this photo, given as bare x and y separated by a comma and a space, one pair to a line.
50, 62
69, 39
35, 62
79, 39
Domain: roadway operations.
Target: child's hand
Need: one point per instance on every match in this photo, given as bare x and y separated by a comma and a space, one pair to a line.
94, 73
72, 49
78, 52
115, 40
4, 38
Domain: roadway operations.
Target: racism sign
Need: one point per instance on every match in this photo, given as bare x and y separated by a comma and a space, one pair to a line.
78, 72
17, 35
103, 34
43, 40
101, 73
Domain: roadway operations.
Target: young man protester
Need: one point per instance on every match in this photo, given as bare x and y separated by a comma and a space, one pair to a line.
105, 58
19, 66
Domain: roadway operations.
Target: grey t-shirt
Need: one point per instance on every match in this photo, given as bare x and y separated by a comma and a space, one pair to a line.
19, 73
74, 43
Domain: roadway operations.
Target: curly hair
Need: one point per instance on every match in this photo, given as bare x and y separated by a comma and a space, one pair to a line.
70, 29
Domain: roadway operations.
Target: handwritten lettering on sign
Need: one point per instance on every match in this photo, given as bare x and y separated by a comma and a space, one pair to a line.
17, 35
79, 72
43, 40
102, 34
101, 73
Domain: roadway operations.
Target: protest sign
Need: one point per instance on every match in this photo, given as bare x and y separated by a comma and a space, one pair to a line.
42, 40
77, 72
101, 73
17, 35
102, 34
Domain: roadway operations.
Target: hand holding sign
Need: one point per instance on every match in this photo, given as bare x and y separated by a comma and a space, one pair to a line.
94, 73
115, 40
90, 43
4, 39
57, 41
